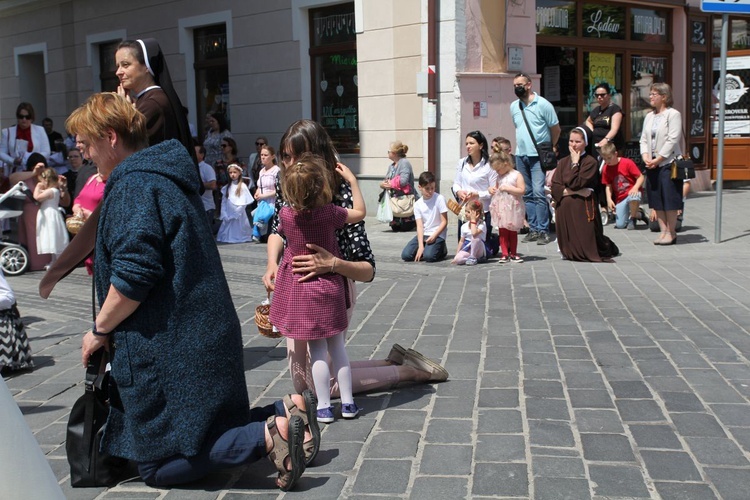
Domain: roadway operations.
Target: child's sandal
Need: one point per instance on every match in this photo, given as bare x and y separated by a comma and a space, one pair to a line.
290, 447
309, 417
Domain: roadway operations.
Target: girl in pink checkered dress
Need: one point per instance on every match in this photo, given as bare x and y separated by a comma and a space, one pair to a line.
315, 310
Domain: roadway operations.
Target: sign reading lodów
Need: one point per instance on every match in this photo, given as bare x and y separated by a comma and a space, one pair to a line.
726, 6
603, 21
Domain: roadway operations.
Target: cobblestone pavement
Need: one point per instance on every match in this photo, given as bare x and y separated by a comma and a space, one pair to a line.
568, 380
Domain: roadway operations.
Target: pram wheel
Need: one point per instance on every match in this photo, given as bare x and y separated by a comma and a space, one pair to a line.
14, 259
605, 217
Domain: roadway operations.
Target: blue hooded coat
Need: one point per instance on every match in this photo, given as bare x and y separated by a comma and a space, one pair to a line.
178, 361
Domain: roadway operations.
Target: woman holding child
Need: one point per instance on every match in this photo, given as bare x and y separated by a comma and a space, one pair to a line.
357, 264
580, 235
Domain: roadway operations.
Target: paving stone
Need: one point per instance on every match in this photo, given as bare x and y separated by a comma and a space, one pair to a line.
505, 480
444, 431
684, 491
402, 420
618, 481
561, 489
500, 421
432, 487
557, 467
682, 402
383, 476
598, 421
732, 414
393, 445
606, 448
553, 409
446, 460
730, 483
498, 398
670, 465
550, 451
543, 389
639, 410
716, 451
584, 381
698, 425
590, 398
630, 389
550, 433
451, 408
506, 379
655, 436
500, 448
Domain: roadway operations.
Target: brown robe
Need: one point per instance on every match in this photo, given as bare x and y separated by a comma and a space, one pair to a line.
580, 235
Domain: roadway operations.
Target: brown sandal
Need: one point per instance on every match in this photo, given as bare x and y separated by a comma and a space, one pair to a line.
309, 417
290, 447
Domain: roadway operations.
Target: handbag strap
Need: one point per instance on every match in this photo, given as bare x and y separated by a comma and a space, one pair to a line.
528, 127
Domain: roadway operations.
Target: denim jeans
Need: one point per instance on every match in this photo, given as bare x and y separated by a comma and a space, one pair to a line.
622, 211
238, 446
433, 252
537, 211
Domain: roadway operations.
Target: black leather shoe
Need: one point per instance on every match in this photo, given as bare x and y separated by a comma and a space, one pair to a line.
532, 236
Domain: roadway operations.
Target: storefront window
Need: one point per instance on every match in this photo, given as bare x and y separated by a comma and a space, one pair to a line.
645, 70
211, 71
648, 25
601, 67
603, 21
557, 66
333, 58
739, 34
555, 18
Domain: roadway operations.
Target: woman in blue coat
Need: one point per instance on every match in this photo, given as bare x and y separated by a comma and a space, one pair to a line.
167, 315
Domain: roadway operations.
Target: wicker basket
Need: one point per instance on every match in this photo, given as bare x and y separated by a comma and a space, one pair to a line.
264, 325
74, 224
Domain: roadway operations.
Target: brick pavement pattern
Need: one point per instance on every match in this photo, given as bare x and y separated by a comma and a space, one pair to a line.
568, 380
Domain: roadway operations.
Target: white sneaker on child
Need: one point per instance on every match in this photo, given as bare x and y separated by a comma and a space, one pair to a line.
471, 261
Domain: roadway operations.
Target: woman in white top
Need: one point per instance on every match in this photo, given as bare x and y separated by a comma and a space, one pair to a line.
474, 176
660, 144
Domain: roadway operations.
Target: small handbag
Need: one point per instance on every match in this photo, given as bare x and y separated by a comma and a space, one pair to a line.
682, 169
545, 150
89, 466
402, 206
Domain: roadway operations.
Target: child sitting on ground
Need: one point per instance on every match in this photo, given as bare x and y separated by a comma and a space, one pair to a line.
622, 180
507, 208
471, 248
431, 215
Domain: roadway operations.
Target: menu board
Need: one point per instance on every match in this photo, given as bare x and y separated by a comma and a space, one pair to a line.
697, 84
737, 99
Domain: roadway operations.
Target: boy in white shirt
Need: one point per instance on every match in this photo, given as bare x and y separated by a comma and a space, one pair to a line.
431, 215
208, 177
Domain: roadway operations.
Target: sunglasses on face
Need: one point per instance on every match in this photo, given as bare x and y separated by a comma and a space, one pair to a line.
600, 95
23, 117
260, 143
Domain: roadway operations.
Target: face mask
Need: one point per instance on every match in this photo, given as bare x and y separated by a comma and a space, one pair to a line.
520, 90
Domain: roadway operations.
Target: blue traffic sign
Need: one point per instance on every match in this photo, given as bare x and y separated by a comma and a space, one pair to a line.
726, 6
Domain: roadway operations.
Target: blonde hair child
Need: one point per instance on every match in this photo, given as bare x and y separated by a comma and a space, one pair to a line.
507, 208
314, 308
51, 234
471, 249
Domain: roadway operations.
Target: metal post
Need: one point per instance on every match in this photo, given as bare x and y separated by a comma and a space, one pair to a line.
722, 96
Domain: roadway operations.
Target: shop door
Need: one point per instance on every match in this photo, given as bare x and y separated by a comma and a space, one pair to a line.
601, 67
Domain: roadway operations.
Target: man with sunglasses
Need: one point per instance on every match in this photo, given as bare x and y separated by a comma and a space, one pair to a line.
19, 141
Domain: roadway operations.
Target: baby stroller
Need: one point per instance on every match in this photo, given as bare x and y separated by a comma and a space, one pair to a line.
14, 259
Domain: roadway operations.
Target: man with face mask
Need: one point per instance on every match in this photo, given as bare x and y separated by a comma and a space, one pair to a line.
543, 122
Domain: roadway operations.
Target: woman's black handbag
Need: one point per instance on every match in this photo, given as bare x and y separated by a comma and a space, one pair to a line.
683, 169
88, 465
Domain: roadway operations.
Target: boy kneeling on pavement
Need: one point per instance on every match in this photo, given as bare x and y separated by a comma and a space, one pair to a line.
431, 215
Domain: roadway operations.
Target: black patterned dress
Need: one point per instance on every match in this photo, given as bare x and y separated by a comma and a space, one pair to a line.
15, 353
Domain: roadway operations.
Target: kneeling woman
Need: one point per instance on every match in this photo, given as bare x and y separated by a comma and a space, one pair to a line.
580, 235
167, 316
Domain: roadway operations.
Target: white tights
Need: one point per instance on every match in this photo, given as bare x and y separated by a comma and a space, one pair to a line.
320, 350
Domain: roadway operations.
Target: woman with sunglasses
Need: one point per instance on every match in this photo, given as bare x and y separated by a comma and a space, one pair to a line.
12, 150
605, 119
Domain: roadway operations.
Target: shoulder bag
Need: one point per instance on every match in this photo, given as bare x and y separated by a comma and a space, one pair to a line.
682, 167
90, 466
545, 150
